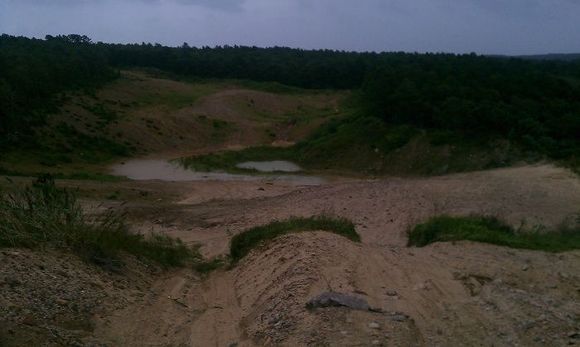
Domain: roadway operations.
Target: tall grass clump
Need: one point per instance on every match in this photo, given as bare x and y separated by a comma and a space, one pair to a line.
491, 230
45, 216
244, 242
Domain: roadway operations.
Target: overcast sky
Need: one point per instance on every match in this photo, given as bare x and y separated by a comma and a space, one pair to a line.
482, 26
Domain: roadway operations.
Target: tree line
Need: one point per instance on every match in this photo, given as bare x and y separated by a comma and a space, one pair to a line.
536, 103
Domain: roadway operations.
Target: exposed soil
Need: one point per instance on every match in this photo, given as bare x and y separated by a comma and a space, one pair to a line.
383, 209
51, 299
446, 294
165, 118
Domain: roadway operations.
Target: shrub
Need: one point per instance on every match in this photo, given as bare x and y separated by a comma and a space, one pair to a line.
43, 215
491, 230
244, 242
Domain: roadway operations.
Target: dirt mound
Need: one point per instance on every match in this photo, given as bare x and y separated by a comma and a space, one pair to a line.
446, 294
465, 294
274, 285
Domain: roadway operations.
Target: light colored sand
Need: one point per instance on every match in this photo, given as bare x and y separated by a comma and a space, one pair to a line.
463, 294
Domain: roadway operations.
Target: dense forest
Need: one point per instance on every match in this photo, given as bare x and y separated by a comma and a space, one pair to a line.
533, 103
295, 67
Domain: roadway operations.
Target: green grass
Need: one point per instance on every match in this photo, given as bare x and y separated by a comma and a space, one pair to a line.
491, 230
104, 114
366, 145
91, 149
75, 175
353, 145
45, 216
176, 99
244, 242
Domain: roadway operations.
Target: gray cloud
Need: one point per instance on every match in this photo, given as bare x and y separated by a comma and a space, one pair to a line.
483, 26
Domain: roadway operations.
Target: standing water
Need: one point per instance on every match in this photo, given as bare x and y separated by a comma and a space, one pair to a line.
270, 166
151, 169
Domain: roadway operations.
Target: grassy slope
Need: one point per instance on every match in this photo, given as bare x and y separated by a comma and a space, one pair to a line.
365, 145
142, 113
43, 215
92, 129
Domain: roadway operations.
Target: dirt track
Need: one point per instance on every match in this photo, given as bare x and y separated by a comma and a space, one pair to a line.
463, 294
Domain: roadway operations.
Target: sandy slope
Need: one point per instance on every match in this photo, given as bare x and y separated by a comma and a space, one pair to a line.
167, 118
465, 294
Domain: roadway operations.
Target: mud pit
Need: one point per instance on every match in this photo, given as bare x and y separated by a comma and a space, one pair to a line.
462, 294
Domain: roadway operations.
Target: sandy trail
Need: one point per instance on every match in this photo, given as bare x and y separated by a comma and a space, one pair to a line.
465, 294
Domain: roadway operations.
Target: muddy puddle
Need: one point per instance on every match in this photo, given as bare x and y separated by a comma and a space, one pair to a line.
152, 169
270, 166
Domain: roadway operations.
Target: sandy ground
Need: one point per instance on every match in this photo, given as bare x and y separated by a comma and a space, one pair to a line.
382, 209
462, 294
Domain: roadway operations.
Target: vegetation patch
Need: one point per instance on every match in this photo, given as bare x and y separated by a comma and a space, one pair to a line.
244, 242
104, 114
491, 230
43, 215
74, 175
355, 143
366, 145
